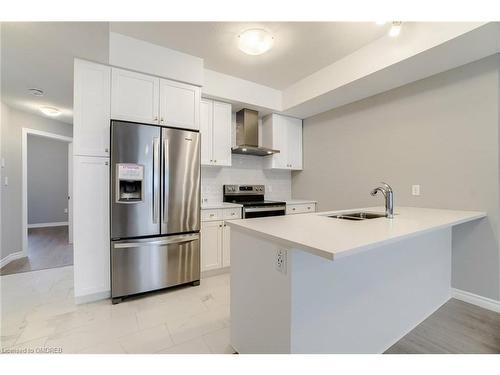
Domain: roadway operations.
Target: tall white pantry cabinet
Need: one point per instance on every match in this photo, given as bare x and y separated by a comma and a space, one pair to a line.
91, 122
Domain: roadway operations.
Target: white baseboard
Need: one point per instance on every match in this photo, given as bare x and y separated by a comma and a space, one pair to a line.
475, 299
216, 272
44, 225
86, 298
9, 258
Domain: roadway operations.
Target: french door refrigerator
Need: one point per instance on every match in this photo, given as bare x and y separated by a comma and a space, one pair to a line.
155, 208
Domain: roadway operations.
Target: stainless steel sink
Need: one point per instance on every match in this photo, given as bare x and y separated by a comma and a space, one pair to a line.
356, 216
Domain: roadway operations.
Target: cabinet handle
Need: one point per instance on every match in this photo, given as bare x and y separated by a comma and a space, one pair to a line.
220, 226
105, 163
224, 225
308, 208
161, 119
155, 118
106, 150
215, 161
293, 209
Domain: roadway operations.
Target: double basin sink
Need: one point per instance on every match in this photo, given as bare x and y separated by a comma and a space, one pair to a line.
357, 216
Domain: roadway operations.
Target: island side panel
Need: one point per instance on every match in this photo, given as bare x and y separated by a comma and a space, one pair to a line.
260, 297
366, 302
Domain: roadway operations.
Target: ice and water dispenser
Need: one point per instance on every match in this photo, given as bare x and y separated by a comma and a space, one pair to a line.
129, 183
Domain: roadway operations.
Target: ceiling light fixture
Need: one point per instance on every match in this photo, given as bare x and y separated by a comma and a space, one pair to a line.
50, 111
395, 29
255, 41
36, 92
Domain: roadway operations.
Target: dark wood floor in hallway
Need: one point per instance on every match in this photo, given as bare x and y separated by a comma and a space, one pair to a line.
457, 327
47, 248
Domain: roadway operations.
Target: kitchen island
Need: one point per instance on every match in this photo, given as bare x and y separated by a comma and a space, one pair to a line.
311, 283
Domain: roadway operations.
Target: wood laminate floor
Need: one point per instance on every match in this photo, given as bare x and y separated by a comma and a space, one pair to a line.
47, 248
457, 327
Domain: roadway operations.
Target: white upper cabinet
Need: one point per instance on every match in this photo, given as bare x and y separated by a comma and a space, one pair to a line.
215, 128
283, 133
222, 133
92, 96
135, 97
206, 126
151, 100
179, 105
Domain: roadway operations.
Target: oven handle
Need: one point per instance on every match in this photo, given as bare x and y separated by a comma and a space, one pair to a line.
264, 209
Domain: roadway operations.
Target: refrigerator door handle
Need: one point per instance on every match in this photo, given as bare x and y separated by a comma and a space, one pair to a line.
167, 241
156, 192
166, 182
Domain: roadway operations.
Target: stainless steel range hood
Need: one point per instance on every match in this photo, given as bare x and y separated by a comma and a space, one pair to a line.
247, 135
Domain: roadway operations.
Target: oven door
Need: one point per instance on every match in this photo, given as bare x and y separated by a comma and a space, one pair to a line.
263, 211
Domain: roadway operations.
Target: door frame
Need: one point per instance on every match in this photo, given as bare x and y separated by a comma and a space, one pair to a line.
24, 178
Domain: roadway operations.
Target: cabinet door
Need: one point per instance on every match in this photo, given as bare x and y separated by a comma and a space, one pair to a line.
222, 133
294, 142
211, 245
92, 96
280, 142
134, 97
179, 105
226, 245
206, 131
91, 225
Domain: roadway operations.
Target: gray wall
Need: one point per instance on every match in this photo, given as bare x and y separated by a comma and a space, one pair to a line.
13, 121
442, 133
47, 180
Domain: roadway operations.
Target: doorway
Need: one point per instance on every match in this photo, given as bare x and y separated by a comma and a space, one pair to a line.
47, 220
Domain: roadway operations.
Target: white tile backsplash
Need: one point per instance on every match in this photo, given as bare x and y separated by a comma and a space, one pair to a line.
245, 169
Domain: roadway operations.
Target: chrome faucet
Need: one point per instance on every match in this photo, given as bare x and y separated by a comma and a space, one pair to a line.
386, 190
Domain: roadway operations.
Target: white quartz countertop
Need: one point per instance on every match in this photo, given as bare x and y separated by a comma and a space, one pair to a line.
217, 205
333, 238
299, 201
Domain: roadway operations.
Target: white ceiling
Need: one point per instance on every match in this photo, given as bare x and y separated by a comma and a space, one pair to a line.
300, 48
40, 54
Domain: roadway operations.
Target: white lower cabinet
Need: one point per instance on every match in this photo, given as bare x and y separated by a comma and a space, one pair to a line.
226, 245
216, 237
211, 245
91, 226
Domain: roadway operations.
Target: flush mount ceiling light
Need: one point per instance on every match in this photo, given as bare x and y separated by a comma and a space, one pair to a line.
395, 28
36, 92
50, 111
255, 41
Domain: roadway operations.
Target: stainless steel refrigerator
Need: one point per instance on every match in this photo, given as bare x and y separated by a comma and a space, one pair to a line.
155, 208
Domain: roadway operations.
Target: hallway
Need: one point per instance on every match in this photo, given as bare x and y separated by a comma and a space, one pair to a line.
47, 248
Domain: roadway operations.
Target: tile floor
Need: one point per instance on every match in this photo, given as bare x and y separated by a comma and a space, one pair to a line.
38, 312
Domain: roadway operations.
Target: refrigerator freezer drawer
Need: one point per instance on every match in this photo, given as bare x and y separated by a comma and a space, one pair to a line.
139, 266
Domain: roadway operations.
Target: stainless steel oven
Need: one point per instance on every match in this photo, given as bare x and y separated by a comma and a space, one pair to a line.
252, 199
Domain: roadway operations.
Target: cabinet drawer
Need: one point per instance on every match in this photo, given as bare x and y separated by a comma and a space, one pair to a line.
300, 208
231, 213
211, 215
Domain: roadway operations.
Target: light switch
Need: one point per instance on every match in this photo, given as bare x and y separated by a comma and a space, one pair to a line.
415, 190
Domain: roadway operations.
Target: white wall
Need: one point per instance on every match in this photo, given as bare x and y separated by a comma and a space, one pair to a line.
441, 132
47, 172
135, 54
12, 153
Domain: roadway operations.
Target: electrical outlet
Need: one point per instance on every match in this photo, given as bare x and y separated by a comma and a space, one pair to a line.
280, 261
415, 190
